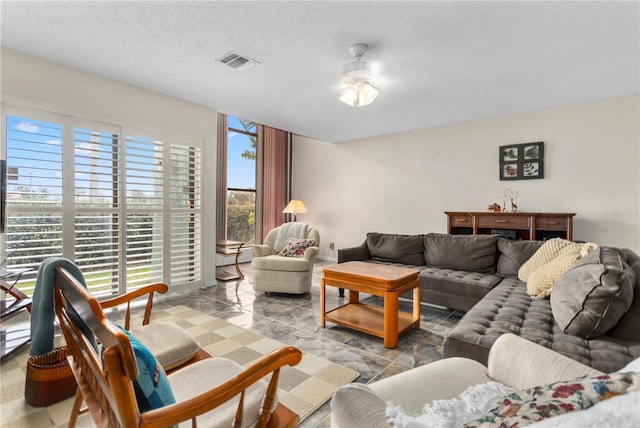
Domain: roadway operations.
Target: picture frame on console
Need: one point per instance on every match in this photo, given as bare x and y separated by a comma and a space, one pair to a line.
522, 161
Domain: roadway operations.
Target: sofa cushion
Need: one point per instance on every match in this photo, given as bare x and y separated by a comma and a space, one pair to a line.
551, 260
627, 328
468, 284
591, 297
169, 353
279, 263
548, 251
405, 249
474, 253
514, 254
542, 280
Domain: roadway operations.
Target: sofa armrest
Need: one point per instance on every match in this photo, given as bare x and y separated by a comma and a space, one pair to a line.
361, 252
520, 364
364, 406
311, 253
356, 406
261, 250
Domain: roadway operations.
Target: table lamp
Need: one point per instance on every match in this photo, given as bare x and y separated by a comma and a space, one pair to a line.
294, 207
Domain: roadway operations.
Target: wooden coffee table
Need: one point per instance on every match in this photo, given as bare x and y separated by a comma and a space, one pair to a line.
381, 280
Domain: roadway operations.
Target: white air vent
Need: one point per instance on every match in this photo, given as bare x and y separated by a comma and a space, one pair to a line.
237, 61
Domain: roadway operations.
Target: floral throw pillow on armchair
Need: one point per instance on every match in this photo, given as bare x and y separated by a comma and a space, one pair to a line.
294, 247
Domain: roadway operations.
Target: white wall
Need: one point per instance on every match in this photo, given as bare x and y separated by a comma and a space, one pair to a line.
34, 83
403, 183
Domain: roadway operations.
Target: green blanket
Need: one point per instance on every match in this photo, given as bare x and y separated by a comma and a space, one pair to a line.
43, 305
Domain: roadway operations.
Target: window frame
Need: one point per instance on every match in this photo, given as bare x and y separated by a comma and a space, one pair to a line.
253, 190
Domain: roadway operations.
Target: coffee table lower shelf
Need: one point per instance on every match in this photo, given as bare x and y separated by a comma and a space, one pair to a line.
367, 318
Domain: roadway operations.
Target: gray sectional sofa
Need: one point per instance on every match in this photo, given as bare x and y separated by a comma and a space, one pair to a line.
478, 274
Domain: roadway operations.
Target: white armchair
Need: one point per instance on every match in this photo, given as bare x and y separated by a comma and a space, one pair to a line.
280, 274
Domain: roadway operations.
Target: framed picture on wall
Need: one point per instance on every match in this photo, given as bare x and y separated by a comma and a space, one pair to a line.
522, 161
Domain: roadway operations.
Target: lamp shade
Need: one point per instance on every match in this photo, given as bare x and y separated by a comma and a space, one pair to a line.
358, 93
349, 95
295, 206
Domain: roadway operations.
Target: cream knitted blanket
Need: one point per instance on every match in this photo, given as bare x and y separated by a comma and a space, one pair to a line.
289, 230
553, 258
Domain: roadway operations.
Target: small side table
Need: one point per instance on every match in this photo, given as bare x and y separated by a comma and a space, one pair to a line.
230, 248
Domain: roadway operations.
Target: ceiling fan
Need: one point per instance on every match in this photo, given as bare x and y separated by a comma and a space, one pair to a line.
358, 89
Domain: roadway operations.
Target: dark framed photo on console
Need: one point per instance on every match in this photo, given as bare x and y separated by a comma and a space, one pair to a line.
522, 161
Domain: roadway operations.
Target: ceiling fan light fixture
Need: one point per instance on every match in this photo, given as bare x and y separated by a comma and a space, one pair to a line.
358, 90
367, 93
349, 94
358, 93
356, 70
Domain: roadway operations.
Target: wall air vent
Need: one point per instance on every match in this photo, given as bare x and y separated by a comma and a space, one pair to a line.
237, 61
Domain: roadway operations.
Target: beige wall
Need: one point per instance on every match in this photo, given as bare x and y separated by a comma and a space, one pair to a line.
33, 83
403, 183
400, 183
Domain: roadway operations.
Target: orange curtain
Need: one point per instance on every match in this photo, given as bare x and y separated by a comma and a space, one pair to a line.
276, 176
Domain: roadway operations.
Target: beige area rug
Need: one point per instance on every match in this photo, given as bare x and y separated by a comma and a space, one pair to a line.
303, 388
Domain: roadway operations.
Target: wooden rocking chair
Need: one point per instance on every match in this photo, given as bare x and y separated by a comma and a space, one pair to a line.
105, 378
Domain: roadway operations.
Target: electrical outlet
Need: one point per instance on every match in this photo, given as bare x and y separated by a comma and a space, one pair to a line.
331, 245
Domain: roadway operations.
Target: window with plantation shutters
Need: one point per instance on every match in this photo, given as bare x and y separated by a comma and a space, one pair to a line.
126, 208
34, 194
145, 201
96, 191
185, 193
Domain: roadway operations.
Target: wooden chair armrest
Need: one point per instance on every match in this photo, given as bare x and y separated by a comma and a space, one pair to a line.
22, 300
127, 298
15, 292
205, 402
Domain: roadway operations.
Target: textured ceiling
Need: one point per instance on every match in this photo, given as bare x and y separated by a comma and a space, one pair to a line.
438, 62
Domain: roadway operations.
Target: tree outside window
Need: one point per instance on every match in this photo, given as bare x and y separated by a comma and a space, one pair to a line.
241, 179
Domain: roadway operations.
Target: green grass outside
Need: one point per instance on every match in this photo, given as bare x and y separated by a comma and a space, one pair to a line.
98, 283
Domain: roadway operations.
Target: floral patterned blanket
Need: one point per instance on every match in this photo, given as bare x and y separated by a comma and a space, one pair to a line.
494, 405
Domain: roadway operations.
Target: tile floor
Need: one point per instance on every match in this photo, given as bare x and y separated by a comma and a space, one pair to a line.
295, 320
